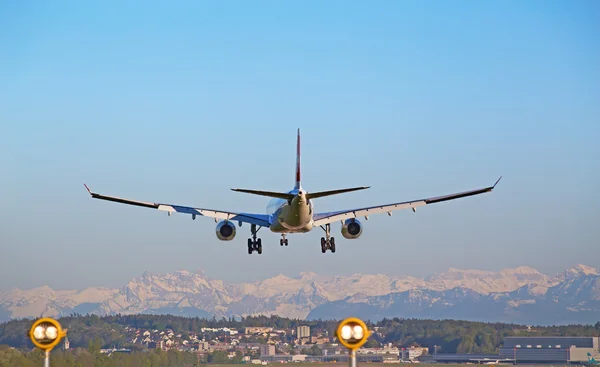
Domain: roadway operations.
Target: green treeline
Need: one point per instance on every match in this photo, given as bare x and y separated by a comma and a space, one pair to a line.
84, 358
451, 336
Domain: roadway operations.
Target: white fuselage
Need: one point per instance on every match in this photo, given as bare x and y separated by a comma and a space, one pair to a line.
295, 216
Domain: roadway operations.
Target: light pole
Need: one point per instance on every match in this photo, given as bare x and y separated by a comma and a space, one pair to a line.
46, 333
352, 334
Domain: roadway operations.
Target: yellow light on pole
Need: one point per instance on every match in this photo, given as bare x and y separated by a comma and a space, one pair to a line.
46, 333
352, 333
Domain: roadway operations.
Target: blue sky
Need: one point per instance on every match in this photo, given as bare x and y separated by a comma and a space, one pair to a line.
180, 102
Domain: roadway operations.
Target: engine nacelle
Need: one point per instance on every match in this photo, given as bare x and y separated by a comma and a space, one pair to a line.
225, 230
351, 229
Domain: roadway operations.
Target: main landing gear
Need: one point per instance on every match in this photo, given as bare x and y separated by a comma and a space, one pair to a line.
283, 240
327, 242
254, 244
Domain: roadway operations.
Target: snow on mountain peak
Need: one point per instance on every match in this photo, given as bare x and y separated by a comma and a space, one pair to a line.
308, 275
584, 269
525, 270
288, 296
573, 272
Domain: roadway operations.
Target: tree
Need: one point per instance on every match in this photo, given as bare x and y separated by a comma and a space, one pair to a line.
371, 343
218, 357
315, 350
238, 358
94, 345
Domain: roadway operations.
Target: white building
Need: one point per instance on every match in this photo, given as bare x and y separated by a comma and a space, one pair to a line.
412, 353
303, 332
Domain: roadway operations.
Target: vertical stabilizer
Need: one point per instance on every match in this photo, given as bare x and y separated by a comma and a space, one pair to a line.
297, 185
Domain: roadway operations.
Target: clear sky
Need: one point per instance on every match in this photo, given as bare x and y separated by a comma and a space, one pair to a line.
178, 102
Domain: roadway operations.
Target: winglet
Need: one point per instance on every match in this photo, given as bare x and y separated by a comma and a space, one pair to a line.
497, 182
88, 189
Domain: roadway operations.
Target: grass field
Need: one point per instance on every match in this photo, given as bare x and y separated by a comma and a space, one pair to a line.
321, 364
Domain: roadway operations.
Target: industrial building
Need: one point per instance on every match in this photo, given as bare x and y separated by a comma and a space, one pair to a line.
475, 358
550, 349
529, 350
360, 358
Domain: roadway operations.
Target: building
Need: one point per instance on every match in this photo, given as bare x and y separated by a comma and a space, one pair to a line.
257, 330
267, 350
387, 349
475, 358
203, 346
412, 353
303, 332
550, 349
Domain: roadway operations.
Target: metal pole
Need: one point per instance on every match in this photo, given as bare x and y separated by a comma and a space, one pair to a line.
352, 358
47, 359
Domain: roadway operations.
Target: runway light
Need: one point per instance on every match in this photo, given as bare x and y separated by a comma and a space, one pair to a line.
352, 333
39, 332
46, 333
51, 332
346, 332
358, 332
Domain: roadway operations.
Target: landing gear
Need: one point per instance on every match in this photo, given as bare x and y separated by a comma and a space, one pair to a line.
283, 240
327, 242
254, 244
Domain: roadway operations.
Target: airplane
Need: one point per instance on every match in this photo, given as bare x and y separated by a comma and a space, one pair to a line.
292, 211
490, 361
592, 361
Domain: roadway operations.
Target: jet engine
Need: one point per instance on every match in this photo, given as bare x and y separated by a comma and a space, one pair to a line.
225, 230
351, 229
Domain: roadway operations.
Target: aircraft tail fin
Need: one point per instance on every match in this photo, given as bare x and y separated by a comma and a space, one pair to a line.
297, 183
320, 194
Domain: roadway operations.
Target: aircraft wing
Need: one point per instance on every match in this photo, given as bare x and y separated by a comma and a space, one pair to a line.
330, 217
263, 220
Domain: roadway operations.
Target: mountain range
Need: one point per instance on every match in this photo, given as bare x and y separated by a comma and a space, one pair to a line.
520, 295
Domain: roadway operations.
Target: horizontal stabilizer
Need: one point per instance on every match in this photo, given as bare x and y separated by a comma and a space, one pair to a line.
280, 195
320, 194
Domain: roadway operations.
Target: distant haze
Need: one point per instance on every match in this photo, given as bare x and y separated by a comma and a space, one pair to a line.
178, 103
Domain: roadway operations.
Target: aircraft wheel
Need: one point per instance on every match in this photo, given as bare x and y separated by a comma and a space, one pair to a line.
332, 245
259, 249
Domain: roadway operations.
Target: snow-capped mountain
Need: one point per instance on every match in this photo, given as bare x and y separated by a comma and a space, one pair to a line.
521, 295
